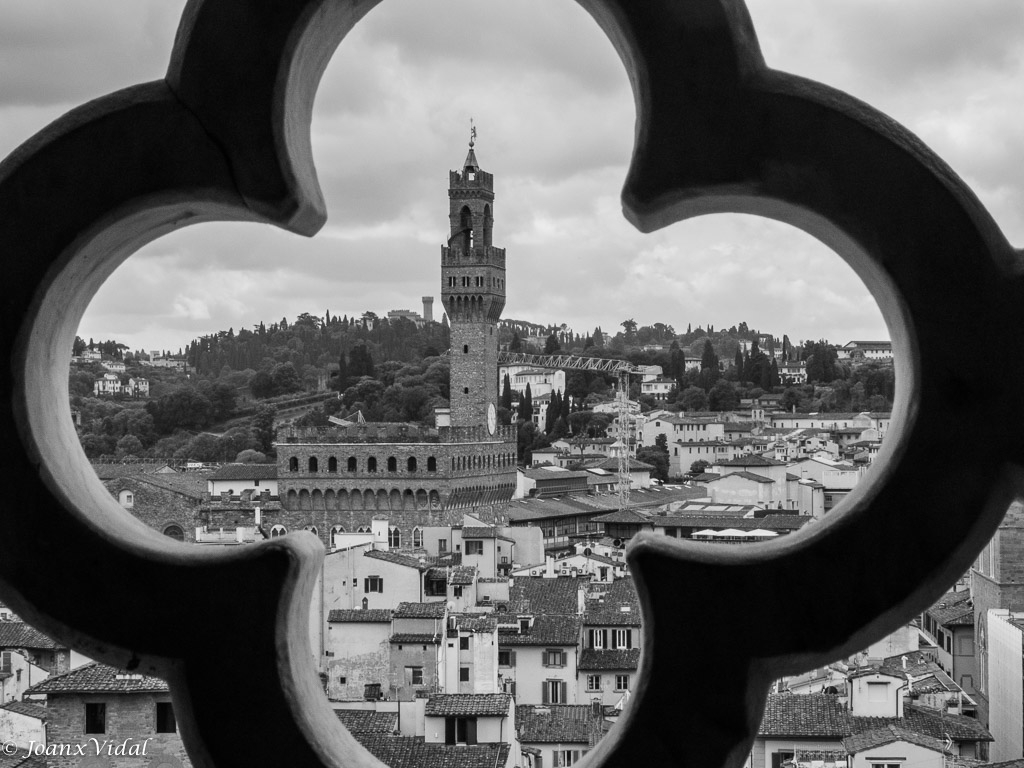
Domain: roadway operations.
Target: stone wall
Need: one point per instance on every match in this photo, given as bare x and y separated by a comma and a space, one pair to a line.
158, 507
129, 716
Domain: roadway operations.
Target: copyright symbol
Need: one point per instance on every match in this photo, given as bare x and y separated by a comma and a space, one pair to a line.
8, 748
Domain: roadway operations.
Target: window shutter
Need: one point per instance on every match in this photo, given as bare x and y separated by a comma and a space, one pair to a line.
380, 584
615, 639
544, 693
513, 658
564, 699
366, 585
629, 638
604, 638
555, 761
590, 638
449, 730
471, 730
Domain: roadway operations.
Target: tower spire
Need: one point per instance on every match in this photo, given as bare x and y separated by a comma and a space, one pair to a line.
471, 163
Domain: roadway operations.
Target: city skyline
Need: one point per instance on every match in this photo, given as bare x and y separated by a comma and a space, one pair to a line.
555, 128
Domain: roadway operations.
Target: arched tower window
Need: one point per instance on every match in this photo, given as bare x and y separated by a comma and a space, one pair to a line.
466, 228
392, 464
332, 464
293, 464
371, 464
411, 464
313, 464
417, 536
278, 530
431, 464
394, 537
488, 224
351, 463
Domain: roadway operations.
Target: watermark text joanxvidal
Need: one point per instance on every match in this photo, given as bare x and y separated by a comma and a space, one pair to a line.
105, 747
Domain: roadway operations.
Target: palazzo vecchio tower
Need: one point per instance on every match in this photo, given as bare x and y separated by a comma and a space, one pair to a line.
342, 477
473, 293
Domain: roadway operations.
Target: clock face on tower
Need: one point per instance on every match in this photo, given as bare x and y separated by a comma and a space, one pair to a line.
492, 418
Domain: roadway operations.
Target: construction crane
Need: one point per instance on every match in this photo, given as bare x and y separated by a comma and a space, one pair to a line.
622, 369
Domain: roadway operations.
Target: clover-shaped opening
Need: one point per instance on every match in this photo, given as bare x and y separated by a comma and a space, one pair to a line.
307, 463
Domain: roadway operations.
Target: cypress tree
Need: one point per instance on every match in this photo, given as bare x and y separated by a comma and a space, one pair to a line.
506, 393
526, 405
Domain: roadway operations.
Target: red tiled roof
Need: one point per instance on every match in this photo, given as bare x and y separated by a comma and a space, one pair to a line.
554, 723
434, 610
244, 472
18, 634
594, 659
546, 630
99, 678
466, 704
367, 721
413, 752
354, 615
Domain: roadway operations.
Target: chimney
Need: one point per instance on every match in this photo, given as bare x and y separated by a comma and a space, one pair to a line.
428, 309
549, 567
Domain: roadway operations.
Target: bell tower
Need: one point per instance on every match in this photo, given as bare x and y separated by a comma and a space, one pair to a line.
473, 293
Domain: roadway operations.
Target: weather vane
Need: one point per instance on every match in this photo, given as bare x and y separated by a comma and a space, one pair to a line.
472, 132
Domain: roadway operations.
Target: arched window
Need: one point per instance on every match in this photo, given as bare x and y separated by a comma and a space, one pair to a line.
351, 463
175, 532
411, 464
431, 464
312, 529
394, 537
466, 228
126, 499
313, 464
488, 224
293, 464
278, 530
371, 464
363, 529
337, 529
332, 464
392, 464
417, 536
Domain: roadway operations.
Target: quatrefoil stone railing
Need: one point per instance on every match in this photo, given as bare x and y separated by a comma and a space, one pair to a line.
226, 136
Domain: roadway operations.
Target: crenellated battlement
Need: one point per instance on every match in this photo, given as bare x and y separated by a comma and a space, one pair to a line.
482, 255
470, 180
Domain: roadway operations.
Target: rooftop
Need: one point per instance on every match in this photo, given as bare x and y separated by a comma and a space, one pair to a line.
354, 615
99, 678
555, 723
414, 752
18, 634
466, 704
607, 659
434, 610
244, 472
368, 721
546, 630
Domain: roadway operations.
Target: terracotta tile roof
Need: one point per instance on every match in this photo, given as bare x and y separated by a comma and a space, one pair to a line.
748, 476
99, 678
18, 634
591, 659
244, 472
546, 630
413, 638
804, 715
111, 470
466, 704
623, 516
477, 623
354, 615
620, 606
752, 460
434, 610
612, 465
25, 708
939, 725
480, 532
413, 752
953, 609
537, 595
816, 715
554, 723
22, 759
397, 558
367, 721
462, 575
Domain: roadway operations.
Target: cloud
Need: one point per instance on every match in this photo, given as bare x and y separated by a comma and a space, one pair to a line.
556, 122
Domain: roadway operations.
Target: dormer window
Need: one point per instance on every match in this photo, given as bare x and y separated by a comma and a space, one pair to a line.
126, 499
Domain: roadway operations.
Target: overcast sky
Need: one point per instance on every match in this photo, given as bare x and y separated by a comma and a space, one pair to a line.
555, 119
